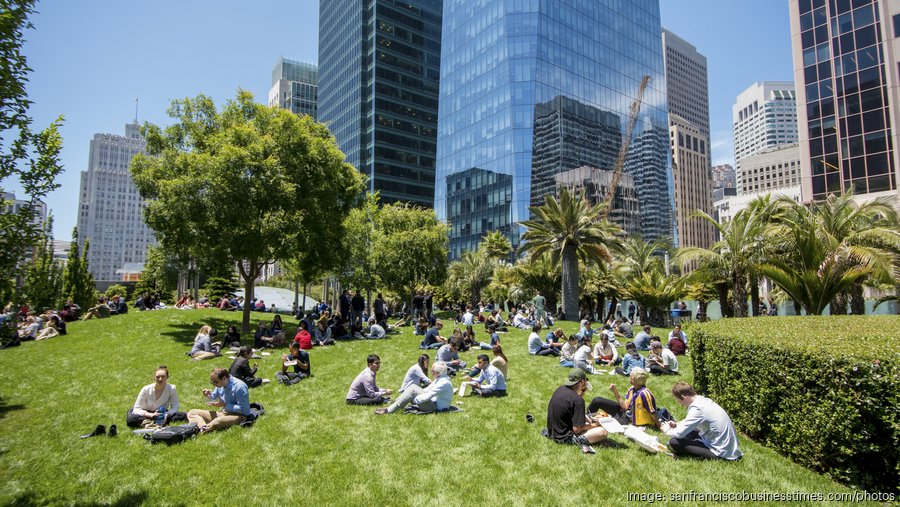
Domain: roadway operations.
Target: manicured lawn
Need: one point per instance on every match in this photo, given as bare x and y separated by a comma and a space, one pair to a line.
311, 448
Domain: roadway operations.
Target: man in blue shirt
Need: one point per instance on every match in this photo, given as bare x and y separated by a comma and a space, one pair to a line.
433, 338
230, 394
490, 382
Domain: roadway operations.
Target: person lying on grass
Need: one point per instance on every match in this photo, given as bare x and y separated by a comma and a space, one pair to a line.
157, 403
297, 361
637, 408
490, 381
364, 390
230, 394
567, 422
706, 432
434, 398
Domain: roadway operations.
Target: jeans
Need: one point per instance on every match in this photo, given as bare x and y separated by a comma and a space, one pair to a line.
407, 396
691, 445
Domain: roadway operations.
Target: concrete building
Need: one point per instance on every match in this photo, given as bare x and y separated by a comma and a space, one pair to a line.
770, 169
693, 185
379, 67
530, 90
687, 84
764, 115
110, 209
847, 70
295, 86
13, 205
723, 176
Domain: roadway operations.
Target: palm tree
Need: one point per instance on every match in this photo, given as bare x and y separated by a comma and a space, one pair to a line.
654, 291
496, 245
638, 256
570, 229
471, 273
535, 273
739, 251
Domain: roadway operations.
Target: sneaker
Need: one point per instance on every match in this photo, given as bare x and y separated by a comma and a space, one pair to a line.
265, 381
381, 411
113, 431
588, 449
99, 430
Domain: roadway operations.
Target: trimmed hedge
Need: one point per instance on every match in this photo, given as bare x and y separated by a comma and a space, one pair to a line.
823, 391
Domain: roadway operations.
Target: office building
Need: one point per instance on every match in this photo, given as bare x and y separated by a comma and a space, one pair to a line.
595, 184
110, 209
846, 66
770, 169
530, 90
723, 176
687, 84
693, 185
379, 67
764, 115
13, 205
294, 86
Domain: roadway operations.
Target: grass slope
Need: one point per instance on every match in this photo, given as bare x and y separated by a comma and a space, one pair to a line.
311, 448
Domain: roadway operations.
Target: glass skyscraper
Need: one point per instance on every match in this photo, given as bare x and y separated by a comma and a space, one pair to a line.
294, 86
847, 70
531, 89
379, 65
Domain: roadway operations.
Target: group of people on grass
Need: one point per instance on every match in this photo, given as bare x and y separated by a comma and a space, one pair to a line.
31, 325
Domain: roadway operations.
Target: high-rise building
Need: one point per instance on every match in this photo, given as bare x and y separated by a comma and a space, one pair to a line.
13, 205
379, 67
847, 70
294, 86
530, 90
110, 209
764, 115
595, 184
693, 185
687, 84
770, 169
723, 176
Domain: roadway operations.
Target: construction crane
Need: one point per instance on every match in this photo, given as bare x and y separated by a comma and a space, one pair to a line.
623, 151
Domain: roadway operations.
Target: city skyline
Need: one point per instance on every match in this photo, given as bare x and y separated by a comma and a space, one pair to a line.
179, 57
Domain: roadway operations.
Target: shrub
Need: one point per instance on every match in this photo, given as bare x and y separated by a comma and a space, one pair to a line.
117, 289
823, 391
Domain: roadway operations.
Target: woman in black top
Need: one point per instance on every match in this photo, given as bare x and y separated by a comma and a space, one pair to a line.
241, 369
232, 337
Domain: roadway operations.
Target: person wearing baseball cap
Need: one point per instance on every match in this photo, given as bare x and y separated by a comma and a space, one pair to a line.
566, 419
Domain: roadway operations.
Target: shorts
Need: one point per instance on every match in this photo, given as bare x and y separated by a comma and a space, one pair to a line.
572, 440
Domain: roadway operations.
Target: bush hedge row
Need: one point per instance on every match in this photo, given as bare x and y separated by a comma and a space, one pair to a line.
823, 391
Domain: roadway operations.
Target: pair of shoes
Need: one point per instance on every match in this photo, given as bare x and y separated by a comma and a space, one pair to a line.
101, 430
381, 411
265, 381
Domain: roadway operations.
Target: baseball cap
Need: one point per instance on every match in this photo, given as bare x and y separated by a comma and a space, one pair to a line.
575, 376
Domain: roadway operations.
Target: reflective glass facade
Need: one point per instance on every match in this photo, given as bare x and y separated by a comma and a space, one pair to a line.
531, 89
294, 86
379, 66
844, 73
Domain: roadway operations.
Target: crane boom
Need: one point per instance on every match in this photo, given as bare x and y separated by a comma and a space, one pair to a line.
623, 151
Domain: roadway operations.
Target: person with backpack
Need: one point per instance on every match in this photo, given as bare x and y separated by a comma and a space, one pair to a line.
231, 395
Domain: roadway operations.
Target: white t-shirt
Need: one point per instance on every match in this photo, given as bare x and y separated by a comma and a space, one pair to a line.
583, 354
669, 358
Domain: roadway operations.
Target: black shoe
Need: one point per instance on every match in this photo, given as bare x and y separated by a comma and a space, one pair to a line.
113, 431
99, 430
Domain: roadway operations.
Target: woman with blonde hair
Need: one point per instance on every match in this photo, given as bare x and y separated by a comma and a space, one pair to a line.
203, 347
638, 407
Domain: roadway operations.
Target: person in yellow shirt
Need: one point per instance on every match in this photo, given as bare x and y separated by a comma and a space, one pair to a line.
638, 407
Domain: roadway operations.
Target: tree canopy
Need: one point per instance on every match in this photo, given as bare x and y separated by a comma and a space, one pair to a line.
251, 183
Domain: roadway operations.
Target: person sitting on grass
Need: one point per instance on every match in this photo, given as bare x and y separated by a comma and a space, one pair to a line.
605, 354
376, 332
101, 311
276, 330
661, 360
416, 374
433, 339
632, 359
495, 336
203, 347
232, 337
583, 359
500, 361
434, 398
157, 403
706, 431
298, 361
449, 354
566, 419
364, 390
555, 339
567, 353
262, 338
119, 306
642, 340
490, 381
323, 332
30, 329
536, 347
637, 408
677, 341
421, 327
230, 394
339, 329
585, 329
240, 368
303, 337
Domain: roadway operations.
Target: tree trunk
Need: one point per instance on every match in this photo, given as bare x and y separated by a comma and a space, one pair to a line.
570, 283
612, 308
797, 308
724, 305
857, 300
740, 295
754, 295
656, 318
296, 290
838, 305
249, 277
601, 304
305, 285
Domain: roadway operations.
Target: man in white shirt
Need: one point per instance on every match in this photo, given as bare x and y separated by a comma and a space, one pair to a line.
436, 397
468, 319
706, 432
661, 360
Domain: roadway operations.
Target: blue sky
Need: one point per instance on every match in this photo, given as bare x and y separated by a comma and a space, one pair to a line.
91, 58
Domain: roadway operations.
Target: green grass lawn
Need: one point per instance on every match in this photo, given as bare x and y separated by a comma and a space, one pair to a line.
311, 448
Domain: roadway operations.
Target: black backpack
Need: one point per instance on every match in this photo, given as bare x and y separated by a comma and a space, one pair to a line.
256, 410
173, 434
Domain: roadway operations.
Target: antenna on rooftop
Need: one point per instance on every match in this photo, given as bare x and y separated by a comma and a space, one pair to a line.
135, 109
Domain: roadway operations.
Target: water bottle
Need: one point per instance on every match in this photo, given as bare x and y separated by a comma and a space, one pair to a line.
161, 418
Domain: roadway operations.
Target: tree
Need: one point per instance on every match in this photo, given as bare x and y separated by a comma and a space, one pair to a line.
358, 267
252, 183
534, 273
410, 248
43, 275
160, 273
31, 158
570, 229
654, 291
472, 273
117, 290
496, 245
78, 284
